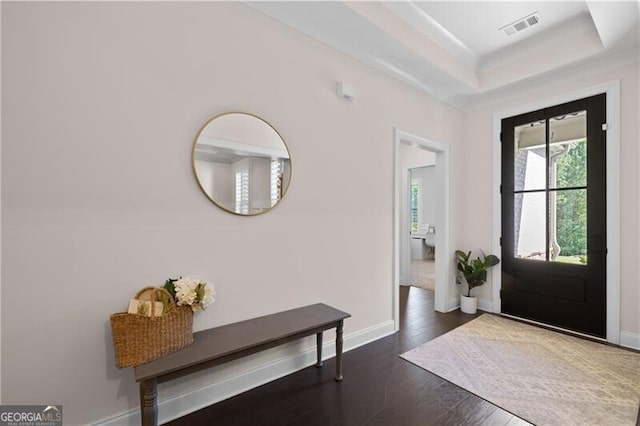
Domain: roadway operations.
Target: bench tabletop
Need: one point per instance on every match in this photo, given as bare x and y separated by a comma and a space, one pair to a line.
227, 340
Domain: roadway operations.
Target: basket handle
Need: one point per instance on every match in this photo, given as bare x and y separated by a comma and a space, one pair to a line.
155, 296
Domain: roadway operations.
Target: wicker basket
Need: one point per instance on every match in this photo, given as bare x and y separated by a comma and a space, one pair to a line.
138, 339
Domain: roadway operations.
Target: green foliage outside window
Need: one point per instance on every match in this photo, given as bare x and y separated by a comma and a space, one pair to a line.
572, 204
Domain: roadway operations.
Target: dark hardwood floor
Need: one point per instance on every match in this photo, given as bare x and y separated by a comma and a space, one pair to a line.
379, 387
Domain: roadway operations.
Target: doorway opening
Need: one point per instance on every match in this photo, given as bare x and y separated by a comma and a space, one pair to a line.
421, 184
410, 152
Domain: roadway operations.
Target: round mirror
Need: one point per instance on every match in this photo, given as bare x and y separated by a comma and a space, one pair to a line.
241, 163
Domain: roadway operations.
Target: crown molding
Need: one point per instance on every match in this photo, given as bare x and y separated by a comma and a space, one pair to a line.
552, 78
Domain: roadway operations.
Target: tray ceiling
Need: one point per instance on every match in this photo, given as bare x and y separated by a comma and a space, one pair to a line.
460, 52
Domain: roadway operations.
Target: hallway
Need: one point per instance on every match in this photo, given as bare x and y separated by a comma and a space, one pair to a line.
422, 274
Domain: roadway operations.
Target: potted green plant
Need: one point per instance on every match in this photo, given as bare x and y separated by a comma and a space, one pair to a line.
475, 273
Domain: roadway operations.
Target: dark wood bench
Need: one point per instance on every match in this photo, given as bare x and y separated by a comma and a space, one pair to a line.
223, 344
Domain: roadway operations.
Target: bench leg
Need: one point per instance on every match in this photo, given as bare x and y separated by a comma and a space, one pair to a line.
319, 349
148, 402
339, 352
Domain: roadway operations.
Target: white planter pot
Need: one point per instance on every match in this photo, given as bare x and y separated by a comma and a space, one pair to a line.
468, 305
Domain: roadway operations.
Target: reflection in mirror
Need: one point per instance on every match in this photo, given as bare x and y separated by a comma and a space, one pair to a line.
241, 163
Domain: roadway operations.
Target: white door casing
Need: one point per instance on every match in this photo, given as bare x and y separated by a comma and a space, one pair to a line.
444, 262
612, 89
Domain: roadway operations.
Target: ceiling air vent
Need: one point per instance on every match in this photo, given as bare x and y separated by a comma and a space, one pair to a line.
521, 24
532, 20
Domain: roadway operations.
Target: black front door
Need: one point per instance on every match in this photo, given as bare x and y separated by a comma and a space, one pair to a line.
554, 216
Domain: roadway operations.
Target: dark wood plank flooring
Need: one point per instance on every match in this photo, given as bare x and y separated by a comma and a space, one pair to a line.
379, 387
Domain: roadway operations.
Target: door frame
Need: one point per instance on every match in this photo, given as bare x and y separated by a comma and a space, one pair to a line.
612, 90
443, 262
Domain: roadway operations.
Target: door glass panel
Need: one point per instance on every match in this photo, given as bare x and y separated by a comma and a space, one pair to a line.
568, 150
530, 230
568, 226
530, 164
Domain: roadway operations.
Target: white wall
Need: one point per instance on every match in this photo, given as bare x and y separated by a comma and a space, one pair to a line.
1, 221
101, 104
217, 180
477, 218
260, 190
224, 184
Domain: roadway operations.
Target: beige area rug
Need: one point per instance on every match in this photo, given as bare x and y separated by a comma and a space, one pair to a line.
542, 376
422, 274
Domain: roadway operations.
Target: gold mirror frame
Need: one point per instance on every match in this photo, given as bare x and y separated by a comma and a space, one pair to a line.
225, 147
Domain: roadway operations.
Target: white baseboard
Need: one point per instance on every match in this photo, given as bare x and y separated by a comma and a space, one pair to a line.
183, 404
485, 305
453, 304
630, 340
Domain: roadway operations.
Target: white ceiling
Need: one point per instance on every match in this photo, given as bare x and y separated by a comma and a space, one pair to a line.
455, 50
476, 24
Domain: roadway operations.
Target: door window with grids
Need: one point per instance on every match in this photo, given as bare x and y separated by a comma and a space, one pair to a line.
550, 189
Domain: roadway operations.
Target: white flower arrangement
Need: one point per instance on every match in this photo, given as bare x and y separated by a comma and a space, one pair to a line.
193, 292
